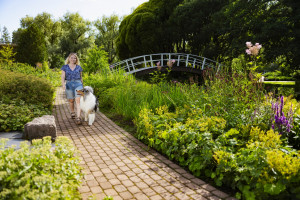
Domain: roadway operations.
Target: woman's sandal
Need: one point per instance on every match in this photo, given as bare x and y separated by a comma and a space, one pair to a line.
78, 121
73, 115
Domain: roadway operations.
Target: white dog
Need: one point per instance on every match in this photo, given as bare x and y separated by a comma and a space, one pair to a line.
88, 104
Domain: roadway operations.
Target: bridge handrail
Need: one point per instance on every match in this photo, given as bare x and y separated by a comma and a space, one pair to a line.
194, 61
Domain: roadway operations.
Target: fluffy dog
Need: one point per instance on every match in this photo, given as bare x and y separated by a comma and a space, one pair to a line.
88, 103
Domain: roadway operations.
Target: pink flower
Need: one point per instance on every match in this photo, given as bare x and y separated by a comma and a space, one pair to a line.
253, 50
248, 51
258, 46
248, 44
158, 63
170, 63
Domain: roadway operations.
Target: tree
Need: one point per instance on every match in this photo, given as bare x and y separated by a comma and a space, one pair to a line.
77, 35
31, 47
7, 54
52, 31
5, 38
147, 30
108, 28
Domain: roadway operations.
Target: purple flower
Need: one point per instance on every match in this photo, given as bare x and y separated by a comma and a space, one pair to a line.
281, 122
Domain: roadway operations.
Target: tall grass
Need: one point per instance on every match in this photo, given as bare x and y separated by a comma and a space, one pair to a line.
128, 97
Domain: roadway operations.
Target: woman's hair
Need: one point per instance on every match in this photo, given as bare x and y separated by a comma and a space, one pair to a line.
68, 59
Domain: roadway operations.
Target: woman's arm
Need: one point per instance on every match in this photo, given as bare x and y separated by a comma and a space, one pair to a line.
63, 75
81, 78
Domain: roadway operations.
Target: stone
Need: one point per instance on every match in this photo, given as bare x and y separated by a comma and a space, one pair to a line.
40, 127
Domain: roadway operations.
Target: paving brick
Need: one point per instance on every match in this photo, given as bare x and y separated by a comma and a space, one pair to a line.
157, 197
140, 196
96, 190
198, 197
115, 181
110, 176
149, 192
86, 196
84, 189
172, 189
208, 187
181, 196
120, 188
220, 194
113, 167
168, 196
214, 198
126, 195
159, 189
142, 185
122, 177
94, 168
127, 183
135, 179
90, 164
198, 181
101, 179
105, 170
105, 185
92, 183
88, 177
110, 192
97, 174
203, 192
134, 189
187, 191
124, 168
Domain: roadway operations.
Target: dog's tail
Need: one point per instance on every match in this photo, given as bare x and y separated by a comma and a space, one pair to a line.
97, 105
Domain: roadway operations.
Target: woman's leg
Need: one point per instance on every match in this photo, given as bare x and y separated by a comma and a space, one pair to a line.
77, 99
71, 103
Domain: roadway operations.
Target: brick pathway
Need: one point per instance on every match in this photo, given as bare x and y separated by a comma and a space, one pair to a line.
117, 164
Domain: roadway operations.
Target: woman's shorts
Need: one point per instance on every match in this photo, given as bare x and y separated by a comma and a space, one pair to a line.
71, 87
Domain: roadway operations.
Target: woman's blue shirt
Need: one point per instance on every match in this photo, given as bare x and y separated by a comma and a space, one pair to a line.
72, 75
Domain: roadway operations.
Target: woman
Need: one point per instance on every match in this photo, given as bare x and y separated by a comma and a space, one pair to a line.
71, 80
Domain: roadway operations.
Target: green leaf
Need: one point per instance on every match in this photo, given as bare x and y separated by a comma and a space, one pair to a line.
213, 175
274, 189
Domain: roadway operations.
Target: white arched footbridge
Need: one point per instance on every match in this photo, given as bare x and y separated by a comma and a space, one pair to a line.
178, 61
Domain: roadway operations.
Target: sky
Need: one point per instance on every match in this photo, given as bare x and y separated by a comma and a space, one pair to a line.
11, 11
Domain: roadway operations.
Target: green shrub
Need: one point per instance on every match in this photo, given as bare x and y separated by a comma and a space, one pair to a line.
31, 89
40, 172
15, 114
244, 161
263, 169
96, 61
53, 75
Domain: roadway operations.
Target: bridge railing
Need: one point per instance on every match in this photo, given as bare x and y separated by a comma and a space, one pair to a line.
139, 63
